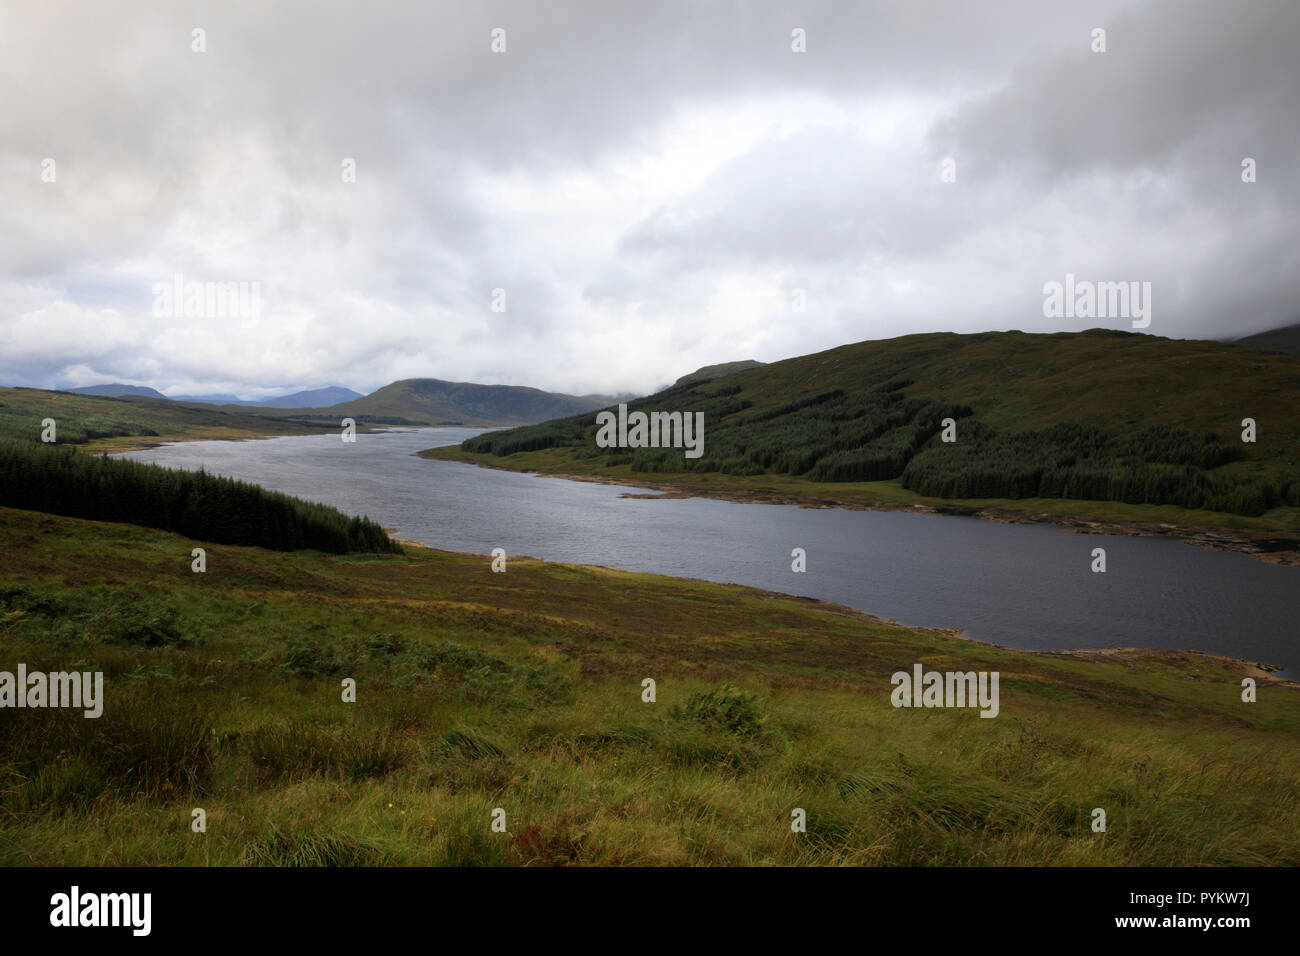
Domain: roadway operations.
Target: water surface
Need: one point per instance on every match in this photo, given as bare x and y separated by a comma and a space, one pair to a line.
1022, 586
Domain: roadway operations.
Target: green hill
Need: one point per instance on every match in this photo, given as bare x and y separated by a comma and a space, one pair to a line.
717, 371
431, 401
117, 390
1099, 416
117, 423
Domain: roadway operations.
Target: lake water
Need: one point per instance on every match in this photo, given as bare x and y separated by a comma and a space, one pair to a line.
1022, 586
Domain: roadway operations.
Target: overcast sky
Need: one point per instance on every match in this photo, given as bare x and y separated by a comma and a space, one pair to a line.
648, 182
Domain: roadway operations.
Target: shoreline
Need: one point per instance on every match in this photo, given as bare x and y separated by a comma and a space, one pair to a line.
1264, 674
146, 444
1265, 546
1212, 539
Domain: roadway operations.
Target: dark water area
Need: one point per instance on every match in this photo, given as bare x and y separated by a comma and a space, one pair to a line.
1022, 586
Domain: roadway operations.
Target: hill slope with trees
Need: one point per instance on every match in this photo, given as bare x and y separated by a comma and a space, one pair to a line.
1098, 415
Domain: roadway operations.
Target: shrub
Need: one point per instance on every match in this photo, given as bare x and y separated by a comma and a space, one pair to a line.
729, 709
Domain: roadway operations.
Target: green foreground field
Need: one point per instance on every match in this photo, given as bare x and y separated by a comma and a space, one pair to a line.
523, 691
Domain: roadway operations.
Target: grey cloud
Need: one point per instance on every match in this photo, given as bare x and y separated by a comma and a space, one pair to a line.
225, 166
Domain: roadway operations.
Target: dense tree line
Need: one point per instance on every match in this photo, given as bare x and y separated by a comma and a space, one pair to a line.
60, 480
1156, 464
71, 431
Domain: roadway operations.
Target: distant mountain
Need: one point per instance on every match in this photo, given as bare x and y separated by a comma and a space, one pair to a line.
434, 401
419, 401
215, 399
312, 398
1285, 339
117, 390
717, 371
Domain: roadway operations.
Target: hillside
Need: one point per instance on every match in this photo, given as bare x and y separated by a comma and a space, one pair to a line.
432, 401
57, 479
415, 401
1285, 339
118, 423
222, 691
1135, 421
117, 390
717, 371
313, 398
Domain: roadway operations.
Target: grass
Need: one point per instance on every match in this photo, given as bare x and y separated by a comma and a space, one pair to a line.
523, 691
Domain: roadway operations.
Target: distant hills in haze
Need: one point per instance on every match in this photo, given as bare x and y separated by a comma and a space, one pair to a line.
312, 398
437, 402
414, 401
432, 401
1286, 339
116, 390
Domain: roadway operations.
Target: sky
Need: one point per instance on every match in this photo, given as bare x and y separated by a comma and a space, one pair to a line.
603, 196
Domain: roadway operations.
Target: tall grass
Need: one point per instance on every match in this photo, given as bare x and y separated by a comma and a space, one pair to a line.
471, 697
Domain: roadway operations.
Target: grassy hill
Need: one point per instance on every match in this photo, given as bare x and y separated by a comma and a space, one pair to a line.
434, 401
117, 390
115, 423
431, 401
709, 372
523, 691
1101, 424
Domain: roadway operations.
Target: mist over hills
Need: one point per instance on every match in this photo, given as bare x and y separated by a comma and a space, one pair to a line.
1285, 339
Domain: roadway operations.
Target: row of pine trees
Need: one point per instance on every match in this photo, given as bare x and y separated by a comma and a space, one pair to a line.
60, 480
